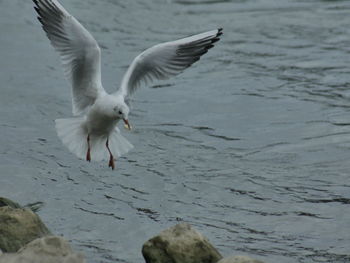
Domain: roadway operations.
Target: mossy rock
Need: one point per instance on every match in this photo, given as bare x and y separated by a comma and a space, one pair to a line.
7, 202
50, 249
19, 226
180, 244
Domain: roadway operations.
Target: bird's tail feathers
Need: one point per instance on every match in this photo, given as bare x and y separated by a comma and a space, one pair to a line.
73, 134
118, 144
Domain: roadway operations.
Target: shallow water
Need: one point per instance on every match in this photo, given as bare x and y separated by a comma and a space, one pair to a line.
251, 145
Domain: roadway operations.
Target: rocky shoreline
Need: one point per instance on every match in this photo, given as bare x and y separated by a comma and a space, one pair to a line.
24, 238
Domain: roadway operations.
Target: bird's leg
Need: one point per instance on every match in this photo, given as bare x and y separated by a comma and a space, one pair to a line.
111, 158
88, 156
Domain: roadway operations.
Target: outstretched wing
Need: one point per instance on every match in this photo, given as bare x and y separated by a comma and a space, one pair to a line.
167, 59
79, 52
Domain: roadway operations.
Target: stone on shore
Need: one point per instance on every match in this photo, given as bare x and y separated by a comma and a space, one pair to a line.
50, 249
19, 226
239, 259
180, 244
7, 202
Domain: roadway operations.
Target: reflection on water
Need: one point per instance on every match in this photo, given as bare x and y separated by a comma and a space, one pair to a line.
251, 145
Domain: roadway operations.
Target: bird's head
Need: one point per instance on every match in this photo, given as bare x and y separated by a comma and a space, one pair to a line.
121, 111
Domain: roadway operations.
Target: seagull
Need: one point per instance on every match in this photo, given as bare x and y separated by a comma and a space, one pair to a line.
92, 132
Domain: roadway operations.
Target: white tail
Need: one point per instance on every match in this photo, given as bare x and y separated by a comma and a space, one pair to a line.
73, 134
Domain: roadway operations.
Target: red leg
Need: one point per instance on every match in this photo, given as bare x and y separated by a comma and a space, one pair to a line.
111, 158
88, 156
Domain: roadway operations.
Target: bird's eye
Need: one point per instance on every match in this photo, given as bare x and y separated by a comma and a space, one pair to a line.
120, 112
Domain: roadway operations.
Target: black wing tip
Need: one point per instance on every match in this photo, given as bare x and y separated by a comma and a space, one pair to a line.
40, 20
46, 6
209, 46
215, 40
37, 9
219, 33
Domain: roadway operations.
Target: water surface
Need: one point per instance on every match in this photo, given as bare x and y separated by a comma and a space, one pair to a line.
251, 145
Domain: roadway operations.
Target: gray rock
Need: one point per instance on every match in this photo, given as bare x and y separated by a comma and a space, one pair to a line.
19, 226
50, 249
239, 259
180, 244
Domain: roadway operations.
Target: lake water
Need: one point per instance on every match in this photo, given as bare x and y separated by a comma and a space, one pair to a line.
251, 145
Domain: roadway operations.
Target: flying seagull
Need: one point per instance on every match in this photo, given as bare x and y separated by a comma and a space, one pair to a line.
92, 133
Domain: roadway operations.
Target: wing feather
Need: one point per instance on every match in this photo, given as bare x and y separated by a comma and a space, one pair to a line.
168, 59
79, 52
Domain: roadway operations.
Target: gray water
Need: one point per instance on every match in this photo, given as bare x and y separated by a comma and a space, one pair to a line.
251, 145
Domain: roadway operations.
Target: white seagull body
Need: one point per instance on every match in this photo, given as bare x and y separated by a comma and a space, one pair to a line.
92, 133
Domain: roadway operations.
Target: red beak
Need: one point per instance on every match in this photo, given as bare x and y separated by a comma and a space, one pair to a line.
127, 124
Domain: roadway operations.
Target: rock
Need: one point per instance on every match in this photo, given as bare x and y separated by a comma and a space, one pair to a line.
180, 244
19, 226
7, 202
32, 206
239, 259
35, 207
50, 249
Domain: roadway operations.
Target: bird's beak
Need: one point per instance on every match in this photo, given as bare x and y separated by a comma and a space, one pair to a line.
127, 124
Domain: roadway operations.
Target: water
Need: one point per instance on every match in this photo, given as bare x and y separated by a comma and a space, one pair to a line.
251, 145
